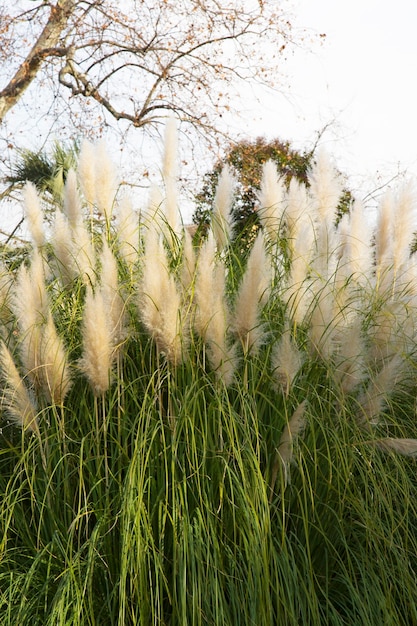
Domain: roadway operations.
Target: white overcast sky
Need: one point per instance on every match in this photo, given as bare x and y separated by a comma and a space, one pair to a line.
364, 78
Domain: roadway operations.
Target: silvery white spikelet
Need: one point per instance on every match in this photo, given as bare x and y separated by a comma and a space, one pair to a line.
54, 372
16, 399
96, 360
86, 172
128, 232
72, 201
110, 289
31, 307
106, 181
292, 431
83, 253
286, 361
62, 244
404, 227
325, 187
251, 297
271, 200
34, 214
223, 201
160, 303
375, 396
359, 252
212, 315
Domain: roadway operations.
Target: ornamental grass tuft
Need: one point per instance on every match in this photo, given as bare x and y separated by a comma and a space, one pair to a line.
192, 436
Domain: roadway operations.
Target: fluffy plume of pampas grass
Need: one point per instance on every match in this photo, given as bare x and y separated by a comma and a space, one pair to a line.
128, 232
83, 255
212, 314
384, 235
16, 400
322, 321
286, 361
111, 291
297, 212
63, 261
54, 371
252, 295
223, 201
31, 308
271, 198
325, 187
373, 400
406, 447
293, 430
188, 261
34, 214
404, 227
160, 303
72, 201
97, 355
86, 172
358, 253
106, 181
350, 370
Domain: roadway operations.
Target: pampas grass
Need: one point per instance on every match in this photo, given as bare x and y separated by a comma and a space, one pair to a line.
16, 400
34, 214
97, 343
219, 439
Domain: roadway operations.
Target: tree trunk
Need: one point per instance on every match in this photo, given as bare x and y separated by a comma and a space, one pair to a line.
45, 46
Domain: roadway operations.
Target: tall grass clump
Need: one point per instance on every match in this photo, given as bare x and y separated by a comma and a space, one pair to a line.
188, 437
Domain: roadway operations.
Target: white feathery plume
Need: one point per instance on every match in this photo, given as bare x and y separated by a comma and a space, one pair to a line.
404, 227
293, 430
384, 236
286, 361
297, 293
86, 172
83, 254
406, 447
33, 214
206, 284
30, 300
322, 321
188, 261
359, 251
96, 360
374, 398
6, 283
223, 201
63, 248
30, 304
211, 316
252, 295
128, 232
106, 180
72, 202
325, 187
54, 373
271, 197
154, 211
16, 399
110, 288
160, 302
350, 368
297, 211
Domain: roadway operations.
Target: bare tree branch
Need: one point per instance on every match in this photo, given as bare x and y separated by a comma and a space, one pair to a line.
45, 46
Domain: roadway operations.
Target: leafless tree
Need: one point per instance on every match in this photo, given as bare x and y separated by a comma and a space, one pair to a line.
96, 61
